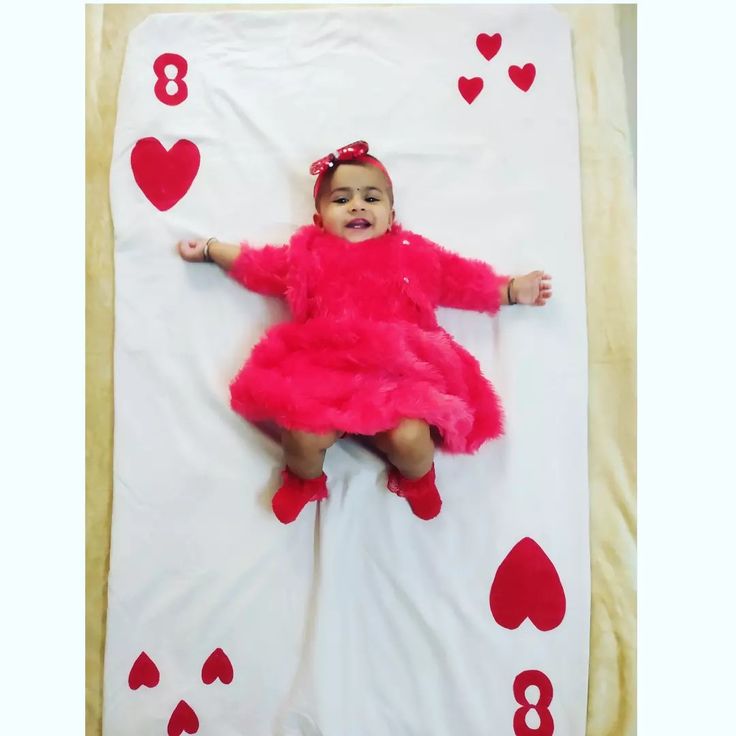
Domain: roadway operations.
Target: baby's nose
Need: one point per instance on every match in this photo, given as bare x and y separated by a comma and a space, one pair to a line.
356, 205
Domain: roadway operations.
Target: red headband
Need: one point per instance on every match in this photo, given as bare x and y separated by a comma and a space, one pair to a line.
354, 152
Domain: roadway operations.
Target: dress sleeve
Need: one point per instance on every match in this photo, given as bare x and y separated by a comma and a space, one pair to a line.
262, 269
467, 283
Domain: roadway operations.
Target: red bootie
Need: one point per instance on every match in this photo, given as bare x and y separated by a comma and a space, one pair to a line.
295, 493
420, 493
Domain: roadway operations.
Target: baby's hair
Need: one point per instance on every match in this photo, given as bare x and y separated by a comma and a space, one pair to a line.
327, 179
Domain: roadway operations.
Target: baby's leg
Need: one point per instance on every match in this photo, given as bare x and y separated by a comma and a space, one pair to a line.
408, 446
304, 452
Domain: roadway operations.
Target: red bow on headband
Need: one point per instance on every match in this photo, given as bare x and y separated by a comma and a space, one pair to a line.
346, 153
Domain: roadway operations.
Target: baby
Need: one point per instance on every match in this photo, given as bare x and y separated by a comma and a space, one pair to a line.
363, 353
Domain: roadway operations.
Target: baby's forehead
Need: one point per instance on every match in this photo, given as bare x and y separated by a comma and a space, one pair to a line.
357, 177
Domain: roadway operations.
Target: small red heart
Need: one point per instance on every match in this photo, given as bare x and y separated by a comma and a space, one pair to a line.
143, 672
523, 78
217, 665
488, 45
164, 176
183, 718
470, 88
527, 585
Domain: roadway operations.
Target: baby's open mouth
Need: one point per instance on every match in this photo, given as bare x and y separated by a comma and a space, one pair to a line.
359, 224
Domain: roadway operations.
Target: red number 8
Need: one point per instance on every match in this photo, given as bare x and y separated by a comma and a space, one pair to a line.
162, 80
546, 723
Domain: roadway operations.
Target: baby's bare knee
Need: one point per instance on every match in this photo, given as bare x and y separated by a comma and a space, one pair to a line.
307, 443
411, 438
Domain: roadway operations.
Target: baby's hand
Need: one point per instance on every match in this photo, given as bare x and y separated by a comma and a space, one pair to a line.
192, 250
533, 288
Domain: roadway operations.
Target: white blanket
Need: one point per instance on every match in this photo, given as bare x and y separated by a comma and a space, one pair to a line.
358, 619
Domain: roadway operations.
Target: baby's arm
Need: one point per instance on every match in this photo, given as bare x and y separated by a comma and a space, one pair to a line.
468, 283
198, 251
259, 269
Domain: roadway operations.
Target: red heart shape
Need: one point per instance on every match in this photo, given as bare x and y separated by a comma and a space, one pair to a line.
470, 88
527, 585
523, 78
164, 176
488, 45
143, 672
217, 665
183, 718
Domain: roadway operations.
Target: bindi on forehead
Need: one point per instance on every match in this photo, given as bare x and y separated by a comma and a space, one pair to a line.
357, 189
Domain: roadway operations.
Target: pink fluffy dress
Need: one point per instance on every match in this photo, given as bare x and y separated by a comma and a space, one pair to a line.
363, 349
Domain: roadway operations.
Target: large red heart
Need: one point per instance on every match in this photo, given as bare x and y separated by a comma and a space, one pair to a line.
143, 672
527, 585
488, 45
217, 665
164, 176
470, 88
523, 78
183, 718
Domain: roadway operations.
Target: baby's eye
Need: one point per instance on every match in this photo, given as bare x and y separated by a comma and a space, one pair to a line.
372, 199
340, 200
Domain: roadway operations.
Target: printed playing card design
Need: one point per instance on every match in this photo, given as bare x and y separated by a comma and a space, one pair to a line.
183, 720
217, 667
523, 77
470, 88
220, 619
489, 46
545, 724
526, 585
170, 70
164, 176
143, 672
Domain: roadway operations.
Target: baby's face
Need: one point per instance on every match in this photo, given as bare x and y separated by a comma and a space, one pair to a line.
356, 204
